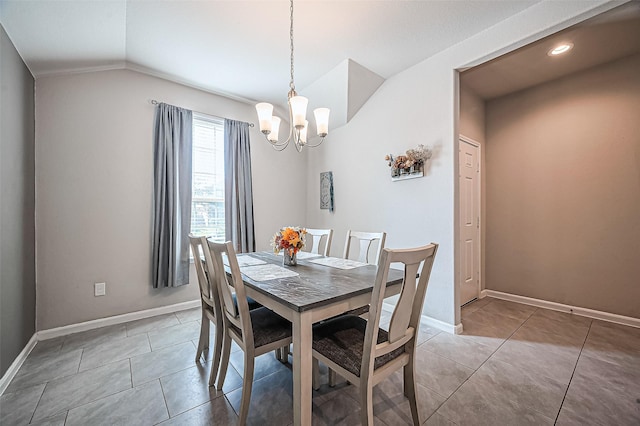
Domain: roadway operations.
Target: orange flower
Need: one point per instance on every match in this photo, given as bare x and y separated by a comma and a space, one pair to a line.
289, 238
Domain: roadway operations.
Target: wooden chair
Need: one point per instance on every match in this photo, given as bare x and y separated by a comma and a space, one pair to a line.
365, 354
317, 235
365, 239
256, 332
211, 307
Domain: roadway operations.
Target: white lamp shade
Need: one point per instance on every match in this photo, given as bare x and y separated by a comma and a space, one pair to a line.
322, 120
298, 110
303, 132
275, 129
265, 111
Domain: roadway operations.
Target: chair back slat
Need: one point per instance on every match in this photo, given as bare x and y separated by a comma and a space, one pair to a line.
236, 312
317, 236
402, 313
198, 252
224, 288
423, 282
375, 308
206, 274
316, 245
365, 239
363, 254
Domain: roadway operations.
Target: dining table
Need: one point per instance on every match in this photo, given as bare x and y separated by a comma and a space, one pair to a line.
316, 289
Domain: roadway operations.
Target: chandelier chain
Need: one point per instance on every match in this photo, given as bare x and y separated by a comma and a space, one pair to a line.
298, 125
291, 84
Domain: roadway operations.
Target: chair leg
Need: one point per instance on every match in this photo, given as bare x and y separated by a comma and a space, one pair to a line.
203, 341
247, 384
282, 354
366, 404
410, 391
224, 362
315, 379
332, 378
217, 353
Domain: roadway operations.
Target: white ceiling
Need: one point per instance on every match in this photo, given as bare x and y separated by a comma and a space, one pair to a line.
607, 37
241, 48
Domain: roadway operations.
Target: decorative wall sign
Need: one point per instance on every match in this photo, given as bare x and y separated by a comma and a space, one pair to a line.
326, 191
410, 165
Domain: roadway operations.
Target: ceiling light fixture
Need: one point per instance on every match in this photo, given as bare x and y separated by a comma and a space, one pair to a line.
560, 49
298, 124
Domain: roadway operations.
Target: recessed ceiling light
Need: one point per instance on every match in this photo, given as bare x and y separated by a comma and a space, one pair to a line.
560, 49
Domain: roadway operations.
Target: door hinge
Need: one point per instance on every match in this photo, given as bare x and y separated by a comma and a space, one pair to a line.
478, 222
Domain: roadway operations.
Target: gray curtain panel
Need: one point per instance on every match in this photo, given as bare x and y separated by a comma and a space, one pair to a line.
172, 138
238, 206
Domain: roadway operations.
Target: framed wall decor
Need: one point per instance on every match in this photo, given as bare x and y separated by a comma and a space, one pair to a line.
326, 191
409, 165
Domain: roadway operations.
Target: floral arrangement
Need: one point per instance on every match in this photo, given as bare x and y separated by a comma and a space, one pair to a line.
289, 238
413, 160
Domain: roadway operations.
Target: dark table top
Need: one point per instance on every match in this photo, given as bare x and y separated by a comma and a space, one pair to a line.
317, 285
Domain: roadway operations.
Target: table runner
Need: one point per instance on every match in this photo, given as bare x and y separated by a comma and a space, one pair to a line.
302, 255
244, 260
335, 262
267, 272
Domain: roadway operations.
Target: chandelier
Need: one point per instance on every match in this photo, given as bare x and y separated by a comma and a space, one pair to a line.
298, 124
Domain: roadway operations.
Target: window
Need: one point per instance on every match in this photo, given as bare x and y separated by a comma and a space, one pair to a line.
207, 208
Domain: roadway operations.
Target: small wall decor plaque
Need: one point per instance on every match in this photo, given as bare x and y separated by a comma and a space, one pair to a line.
410, 165
326, 191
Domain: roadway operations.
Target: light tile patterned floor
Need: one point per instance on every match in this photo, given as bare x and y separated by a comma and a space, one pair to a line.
514, 365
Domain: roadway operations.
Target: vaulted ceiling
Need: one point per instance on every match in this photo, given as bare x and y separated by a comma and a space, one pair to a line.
241, 48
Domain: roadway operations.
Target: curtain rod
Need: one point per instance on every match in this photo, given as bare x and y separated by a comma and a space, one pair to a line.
154, 102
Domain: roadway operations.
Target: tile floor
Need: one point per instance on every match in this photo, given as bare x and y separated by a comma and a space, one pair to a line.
514, 365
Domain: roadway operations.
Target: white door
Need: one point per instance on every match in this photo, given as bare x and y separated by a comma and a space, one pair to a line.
469, 160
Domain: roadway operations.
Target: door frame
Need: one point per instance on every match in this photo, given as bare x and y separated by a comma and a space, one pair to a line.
466, 139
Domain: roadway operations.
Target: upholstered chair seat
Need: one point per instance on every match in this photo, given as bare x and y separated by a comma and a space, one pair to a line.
267, 327
342, 341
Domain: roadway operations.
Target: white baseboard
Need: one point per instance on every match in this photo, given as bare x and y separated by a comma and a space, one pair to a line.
84, 326
441, 325
585, 312
436, 323
117, 319
11, 372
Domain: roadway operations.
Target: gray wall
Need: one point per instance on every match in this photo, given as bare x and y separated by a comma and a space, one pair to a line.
563, 190
472, 114
417, 106
94, 177
17, 198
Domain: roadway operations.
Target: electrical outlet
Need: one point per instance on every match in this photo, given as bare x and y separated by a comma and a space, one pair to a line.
100, 289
